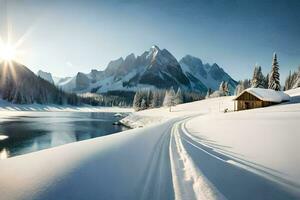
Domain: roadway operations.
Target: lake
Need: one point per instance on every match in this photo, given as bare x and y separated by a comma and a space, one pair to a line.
25, 132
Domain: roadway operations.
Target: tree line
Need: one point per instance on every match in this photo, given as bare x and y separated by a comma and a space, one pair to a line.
155, 98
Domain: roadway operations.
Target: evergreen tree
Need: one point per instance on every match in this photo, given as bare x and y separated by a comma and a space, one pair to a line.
156, 99
178, 97
293, 80
258, 78
266, 81
274, 82
169, 98
222, 86
288, 82
143, 104
137, 101
226, 89
150, 99
243, 85
209, 91
297, 81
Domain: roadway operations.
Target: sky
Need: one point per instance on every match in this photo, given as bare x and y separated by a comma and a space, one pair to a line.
64, 37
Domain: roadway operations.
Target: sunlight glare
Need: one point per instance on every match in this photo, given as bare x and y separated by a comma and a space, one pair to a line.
7, 52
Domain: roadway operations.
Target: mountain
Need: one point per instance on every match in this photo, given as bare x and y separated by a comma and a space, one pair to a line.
204, 75
46, 76
20, 85
155, 68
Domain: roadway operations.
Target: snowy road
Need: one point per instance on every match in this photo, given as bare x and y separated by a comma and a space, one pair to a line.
200, 172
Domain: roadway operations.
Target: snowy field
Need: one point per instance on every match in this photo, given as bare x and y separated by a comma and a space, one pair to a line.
195, 152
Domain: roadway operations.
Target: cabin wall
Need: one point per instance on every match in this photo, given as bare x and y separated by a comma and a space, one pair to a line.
244, 105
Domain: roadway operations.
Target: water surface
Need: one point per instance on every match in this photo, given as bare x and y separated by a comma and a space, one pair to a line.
25, 132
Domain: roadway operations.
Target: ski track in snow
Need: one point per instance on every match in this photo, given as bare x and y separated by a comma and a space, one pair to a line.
188, 182
202, 172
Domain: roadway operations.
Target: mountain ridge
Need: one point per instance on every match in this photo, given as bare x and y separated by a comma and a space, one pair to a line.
155, 68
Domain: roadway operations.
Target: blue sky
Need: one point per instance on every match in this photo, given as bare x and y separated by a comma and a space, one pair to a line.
64, 37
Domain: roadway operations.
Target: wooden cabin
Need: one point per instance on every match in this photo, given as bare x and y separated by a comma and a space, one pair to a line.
258, 98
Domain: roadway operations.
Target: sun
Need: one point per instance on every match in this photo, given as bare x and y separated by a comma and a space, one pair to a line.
7, 52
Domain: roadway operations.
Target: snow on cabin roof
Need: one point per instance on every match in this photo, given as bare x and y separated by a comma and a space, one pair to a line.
267, 95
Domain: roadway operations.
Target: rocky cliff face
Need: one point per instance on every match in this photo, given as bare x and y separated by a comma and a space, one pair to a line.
205, 75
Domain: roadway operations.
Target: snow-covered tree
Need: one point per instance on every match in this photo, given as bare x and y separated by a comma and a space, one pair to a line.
149, 99
274, 81
293, 80
266, 81
143, 104
297, 81
137, 101
258, 78
226, 89
169, 98
243, 85
209, 92
178, 97
155, 101
222, 86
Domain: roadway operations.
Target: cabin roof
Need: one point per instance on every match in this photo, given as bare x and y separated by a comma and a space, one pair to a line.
266, 95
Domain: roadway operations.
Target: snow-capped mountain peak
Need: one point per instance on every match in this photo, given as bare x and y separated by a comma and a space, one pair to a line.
46, 76
155, 68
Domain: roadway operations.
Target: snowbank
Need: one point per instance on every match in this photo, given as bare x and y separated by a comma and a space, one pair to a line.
158, 115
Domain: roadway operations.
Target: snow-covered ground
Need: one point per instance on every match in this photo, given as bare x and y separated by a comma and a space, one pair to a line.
195, 152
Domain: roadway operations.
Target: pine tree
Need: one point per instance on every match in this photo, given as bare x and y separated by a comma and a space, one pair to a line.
222, 86
226, 89
274, 82
266, 81
137, 101
293, 80
143, 104
258, 78
209, 91
243, 85
155, 103
288, 82
169, 98
297, 81
150, 99
178, 97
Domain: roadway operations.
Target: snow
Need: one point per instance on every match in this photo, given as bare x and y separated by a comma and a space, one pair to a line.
194, 152
3, 137
267, 94
265, 138
293, 92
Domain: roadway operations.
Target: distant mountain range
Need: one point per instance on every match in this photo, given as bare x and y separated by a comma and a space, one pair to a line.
155, 68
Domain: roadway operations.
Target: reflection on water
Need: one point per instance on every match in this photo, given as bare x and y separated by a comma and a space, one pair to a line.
41, 130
